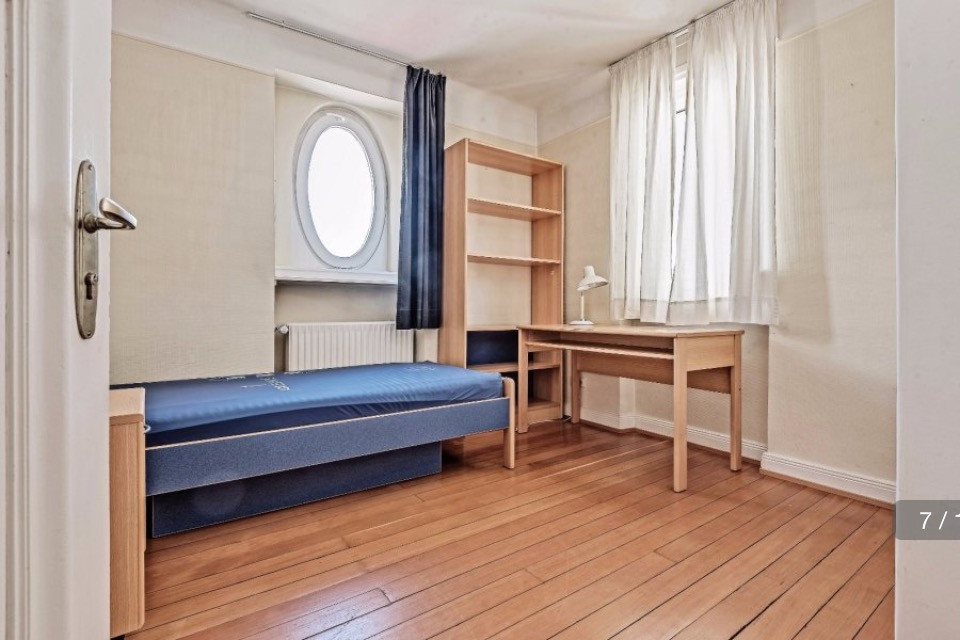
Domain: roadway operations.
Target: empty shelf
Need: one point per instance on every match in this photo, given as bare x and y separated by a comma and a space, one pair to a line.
507, 210
513, 261
492, 327
540, 410
510, 367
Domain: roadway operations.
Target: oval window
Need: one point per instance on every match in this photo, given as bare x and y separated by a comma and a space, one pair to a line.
341, 188
340, 191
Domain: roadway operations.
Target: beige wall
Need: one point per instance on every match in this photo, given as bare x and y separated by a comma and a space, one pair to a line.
345, 302
328, 301
820, 387
586, 154
294, 107
832, 358
192, 287
586, 157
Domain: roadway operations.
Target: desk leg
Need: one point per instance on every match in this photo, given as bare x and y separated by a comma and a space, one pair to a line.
523, 380
736, 411
574, 388
679, 415
510, 433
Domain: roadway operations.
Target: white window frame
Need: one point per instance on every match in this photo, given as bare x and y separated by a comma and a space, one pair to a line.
346, 118
680, 79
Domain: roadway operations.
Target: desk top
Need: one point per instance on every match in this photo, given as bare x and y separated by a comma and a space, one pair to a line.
652, 331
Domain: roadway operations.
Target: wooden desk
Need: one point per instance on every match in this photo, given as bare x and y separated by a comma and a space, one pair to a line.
686, 357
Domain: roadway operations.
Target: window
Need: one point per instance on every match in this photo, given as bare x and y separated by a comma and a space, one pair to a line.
681, 55
341, 188
692, 215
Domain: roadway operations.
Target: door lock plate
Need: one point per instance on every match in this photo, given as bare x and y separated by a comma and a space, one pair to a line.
87, 251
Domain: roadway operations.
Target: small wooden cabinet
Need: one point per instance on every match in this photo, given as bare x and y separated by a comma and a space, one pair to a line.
128, 516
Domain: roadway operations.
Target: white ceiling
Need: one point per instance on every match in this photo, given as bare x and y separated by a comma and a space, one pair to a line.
528, 50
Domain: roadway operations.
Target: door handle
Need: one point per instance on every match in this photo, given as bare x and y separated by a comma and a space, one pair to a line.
90, 216
110, 217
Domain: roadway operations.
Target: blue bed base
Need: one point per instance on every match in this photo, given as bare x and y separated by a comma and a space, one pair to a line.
194, 508
199, 483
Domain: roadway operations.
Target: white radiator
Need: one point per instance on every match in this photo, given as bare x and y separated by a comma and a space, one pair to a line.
323, 345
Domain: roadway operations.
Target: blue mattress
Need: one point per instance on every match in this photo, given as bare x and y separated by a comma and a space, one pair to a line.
191, 410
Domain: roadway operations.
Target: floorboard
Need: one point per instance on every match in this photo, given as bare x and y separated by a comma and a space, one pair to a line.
584, 539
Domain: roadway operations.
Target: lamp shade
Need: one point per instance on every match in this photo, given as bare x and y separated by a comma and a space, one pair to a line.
590, 279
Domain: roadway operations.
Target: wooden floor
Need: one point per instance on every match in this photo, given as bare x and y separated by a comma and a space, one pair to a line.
584, 539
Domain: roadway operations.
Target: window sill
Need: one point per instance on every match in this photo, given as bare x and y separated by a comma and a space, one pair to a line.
307, 276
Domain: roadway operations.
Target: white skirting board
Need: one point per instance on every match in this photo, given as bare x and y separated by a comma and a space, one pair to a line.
872, 488
752, 450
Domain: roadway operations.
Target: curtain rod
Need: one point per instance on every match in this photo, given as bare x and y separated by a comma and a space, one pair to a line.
319, 36
677, 32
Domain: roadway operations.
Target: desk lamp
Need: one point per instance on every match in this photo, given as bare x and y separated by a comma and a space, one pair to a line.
590, 281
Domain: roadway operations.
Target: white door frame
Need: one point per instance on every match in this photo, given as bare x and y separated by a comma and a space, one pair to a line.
53, 386
13, 323
10, 576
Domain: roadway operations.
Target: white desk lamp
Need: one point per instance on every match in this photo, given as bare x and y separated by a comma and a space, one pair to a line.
590, 281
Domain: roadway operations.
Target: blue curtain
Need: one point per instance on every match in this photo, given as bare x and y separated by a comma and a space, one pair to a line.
420, 290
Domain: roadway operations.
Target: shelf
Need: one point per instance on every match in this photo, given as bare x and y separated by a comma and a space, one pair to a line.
569, 345
496, 367
540, 410
535, 405
492, 327
510, 211
511, 367
505, 160
540, 366
512, 261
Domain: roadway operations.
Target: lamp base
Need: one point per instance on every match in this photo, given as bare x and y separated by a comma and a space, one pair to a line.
581, 323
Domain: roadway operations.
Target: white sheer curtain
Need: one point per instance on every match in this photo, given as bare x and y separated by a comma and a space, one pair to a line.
721, 258
641, 194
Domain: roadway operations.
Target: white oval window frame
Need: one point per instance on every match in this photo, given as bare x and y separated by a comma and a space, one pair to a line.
316, 124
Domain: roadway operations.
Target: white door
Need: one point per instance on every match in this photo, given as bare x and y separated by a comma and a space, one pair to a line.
56, 105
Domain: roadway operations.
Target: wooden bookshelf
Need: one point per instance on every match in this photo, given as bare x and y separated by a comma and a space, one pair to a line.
477, 345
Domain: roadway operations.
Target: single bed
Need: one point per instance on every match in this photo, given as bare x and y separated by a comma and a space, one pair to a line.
219, 449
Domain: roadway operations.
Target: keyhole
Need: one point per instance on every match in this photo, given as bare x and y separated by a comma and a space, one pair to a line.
90, 280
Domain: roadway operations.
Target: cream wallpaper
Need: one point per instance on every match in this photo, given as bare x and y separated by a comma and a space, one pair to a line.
294, 106
344, 302
832, 358
192, 287
586, 153
821, 386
